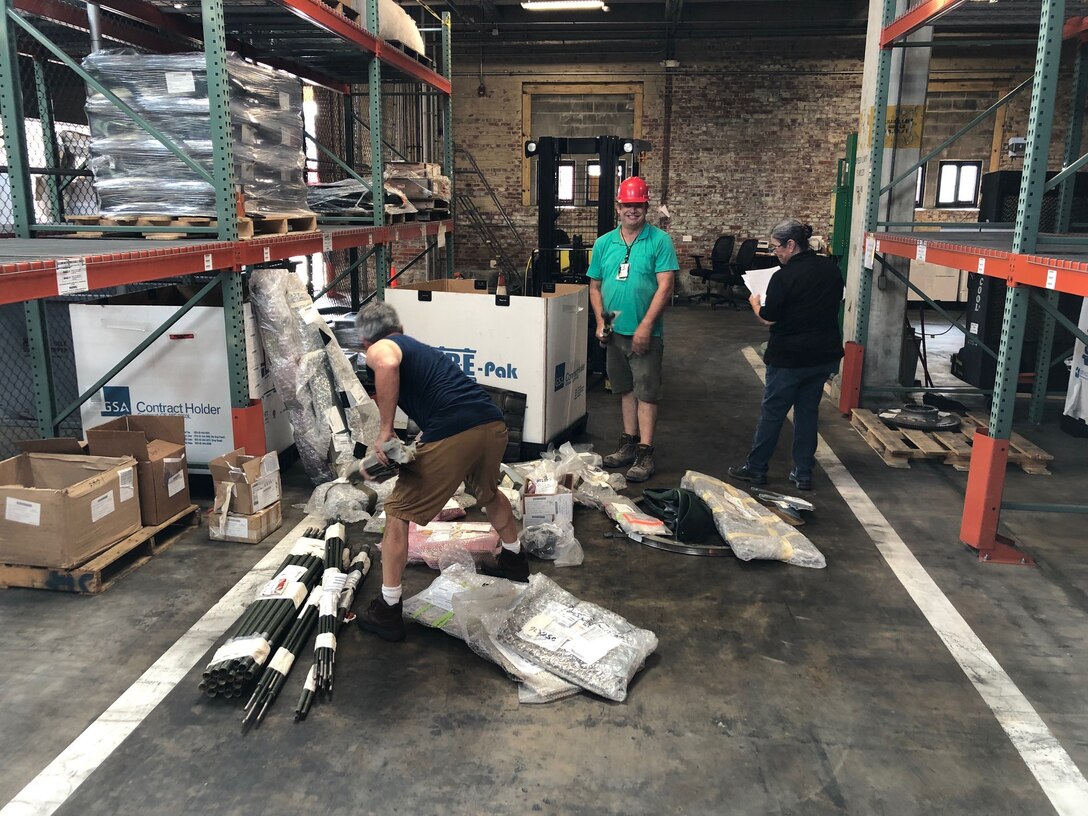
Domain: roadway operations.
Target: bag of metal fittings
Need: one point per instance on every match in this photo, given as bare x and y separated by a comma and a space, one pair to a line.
553, 542
751, 530
685, 513
581, 642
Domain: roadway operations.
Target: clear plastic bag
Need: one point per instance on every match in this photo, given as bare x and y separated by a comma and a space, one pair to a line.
633, 521
581, 642
553, 542
430, 542
338, 499
750, 529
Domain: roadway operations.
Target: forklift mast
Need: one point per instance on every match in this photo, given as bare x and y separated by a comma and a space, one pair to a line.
548, 151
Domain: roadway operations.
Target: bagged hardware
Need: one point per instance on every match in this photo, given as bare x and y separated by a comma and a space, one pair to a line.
553, 542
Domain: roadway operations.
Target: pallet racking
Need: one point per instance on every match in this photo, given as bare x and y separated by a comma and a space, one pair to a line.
330, 51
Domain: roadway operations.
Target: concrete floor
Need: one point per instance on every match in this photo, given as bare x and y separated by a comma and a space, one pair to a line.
775, 689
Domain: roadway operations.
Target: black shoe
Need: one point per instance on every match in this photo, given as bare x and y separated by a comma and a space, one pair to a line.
801, 484
746, 475
509, 565
383, 620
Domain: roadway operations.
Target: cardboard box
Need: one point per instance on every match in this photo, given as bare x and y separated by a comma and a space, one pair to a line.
246, 484
57, 444
245, 529
59, 510
157, 443
534, 345
554, 505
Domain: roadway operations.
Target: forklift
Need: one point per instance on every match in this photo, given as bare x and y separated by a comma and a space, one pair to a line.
564, 247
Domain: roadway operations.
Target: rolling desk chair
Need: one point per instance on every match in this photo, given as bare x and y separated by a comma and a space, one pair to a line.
731, 275
719, 262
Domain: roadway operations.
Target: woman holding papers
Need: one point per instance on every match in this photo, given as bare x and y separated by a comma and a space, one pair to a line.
801, 307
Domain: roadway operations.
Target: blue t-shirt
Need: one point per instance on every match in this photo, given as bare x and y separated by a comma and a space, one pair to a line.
437, 394
650, 253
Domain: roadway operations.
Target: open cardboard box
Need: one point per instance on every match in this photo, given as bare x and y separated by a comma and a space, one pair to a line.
59, 510
251, 483
157, 443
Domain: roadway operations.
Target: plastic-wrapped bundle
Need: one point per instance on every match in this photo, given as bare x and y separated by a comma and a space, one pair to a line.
327, 411
135, 174
350, 195
577, 640
750, 529
432, 542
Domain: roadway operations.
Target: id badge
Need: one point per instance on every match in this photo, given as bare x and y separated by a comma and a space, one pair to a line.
624, 269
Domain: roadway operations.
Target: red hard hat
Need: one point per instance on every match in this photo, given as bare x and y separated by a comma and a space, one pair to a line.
633, 191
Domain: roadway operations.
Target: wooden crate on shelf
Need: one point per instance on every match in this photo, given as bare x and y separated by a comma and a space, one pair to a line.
103, 570
898, 446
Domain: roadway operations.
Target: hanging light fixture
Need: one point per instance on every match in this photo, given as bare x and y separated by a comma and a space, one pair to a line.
564, 5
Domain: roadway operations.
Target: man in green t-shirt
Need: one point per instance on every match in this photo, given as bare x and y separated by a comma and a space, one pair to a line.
631, 275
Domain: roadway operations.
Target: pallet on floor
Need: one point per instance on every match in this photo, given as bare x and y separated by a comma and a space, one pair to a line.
251, 225
101, 572
898, 446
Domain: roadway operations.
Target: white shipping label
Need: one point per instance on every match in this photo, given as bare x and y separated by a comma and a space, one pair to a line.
270, 463
24, 512
102, 506
1051, 278
542, 631
920, 252
592, 645
266, 491
236, 527
982, 266
179, 82
125, 481
326, 242
176, 483
286, 577
71, 276
870, 251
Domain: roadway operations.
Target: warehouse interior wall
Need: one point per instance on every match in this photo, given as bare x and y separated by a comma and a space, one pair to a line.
757, 127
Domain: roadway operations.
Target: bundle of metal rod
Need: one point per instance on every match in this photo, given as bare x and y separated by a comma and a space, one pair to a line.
265, 622
336, 551
325, 652
332, 584
274, 675
309, 688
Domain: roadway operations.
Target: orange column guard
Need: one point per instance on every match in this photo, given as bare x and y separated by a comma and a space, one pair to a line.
850, 390
982, 503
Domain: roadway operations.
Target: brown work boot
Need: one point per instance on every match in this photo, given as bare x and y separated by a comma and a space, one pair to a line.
624, 454
383, 620
643, 468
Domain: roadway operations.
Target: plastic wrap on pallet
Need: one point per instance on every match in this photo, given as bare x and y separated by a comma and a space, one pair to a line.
302, 354
579, 641
353, 196
751, 530
134, 173
394, 23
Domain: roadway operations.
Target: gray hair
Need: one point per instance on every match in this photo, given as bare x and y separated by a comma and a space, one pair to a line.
793, 230
376, 321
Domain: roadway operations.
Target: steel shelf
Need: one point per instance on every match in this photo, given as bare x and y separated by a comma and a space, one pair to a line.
324, 45
28, 266
1063, 269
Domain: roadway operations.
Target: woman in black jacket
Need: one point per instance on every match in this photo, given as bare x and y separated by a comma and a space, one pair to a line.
805, 346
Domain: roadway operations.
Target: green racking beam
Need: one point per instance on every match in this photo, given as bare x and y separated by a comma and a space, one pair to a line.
12, 120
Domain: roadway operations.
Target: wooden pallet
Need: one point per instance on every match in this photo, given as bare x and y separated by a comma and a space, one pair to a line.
898, 446
101, 572
248, 227
343, 9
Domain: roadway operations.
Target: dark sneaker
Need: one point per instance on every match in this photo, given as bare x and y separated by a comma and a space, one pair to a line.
509, 565
643, 468
383, 620
801, 482
746, 475
624, 454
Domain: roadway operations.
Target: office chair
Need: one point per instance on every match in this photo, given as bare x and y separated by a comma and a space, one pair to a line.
719, 262
731, 275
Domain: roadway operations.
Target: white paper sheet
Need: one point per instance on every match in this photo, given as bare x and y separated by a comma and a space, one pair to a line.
757, 279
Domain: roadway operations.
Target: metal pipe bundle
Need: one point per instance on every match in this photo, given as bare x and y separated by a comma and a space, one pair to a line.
268, 688
266, 621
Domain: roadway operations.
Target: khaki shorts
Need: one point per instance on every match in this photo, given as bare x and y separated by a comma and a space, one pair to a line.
427, 483
640, 373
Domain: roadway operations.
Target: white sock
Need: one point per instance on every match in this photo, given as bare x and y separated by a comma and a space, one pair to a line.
514, 546
391, 595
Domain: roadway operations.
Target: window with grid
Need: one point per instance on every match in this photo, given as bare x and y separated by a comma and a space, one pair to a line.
957, 183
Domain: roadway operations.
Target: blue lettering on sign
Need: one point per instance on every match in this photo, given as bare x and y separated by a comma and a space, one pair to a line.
563, 378
465, 359
117, 401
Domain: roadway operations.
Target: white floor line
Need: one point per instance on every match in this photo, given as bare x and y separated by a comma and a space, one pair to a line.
51, 788
1053, 768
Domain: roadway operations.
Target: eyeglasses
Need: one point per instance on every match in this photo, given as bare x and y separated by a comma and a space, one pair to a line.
776, 246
